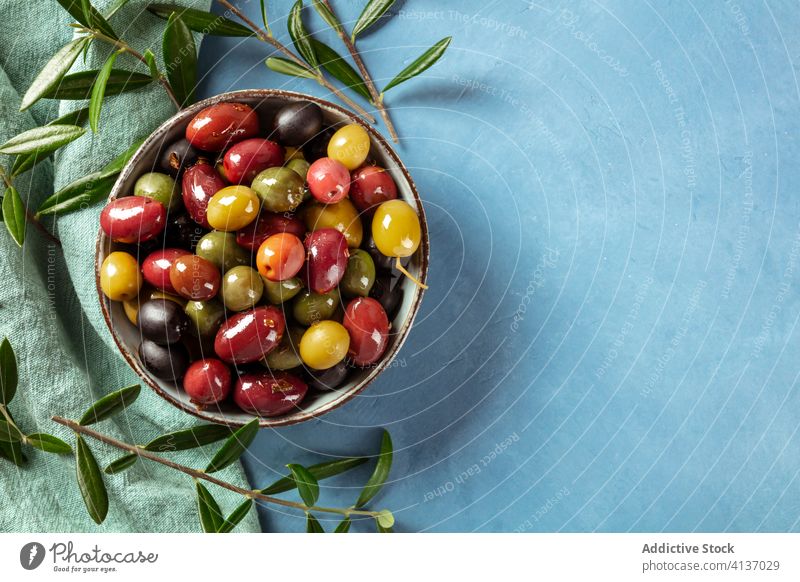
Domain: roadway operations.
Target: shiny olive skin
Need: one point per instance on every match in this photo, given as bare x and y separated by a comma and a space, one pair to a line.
297, 123
241, 288
349, 145
162, 321
286, 356
299, 166
183, 232
250, 335
279, 189
207, 381
324, 345
371, 185
246, 159
156, 266
309, 307
381, 261
328, 180
219, 125
120, 279
278, 292
232, 208
205, 317
396, 229
220, 248
198, 185
268, 223
327, 256
177, 156
280, 257
159, 187
133, 219
342, 216
164, 362
269, 393
359, 277
194, 278
318, 147
368, 326
329, 379
389, 293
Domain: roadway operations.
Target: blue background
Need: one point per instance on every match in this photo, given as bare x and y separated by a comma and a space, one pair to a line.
610, 337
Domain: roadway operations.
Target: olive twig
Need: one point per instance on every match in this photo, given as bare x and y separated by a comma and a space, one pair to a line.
28, 214
399, 266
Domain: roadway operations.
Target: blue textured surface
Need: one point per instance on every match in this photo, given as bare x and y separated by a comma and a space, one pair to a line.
609, 341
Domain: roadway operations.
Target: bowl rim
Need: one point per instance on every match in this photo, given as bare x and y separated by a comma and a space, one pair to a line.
302, 415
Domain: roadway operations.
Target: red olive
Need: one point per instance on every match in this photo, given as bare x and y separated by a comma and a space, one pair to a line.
199, 184
218, 125
207, 381
250, 335
247, 158
269, 393
371, 186
133, 219
327, 254
194, 277
366, 322
268, 223
156, 266
328, 180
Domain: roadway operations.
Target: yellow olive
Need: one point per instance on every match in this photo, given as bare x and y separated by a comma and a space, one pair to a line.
349, 146
396, 229
232, 208
324, 345
120, 278
342, 216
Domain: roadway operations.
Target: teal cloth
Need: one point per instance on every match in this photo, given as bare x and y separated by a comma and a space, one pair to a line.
50, 312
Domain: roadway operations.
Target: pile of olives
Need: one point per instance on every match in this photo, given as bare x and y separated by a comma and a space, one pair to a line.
258, 268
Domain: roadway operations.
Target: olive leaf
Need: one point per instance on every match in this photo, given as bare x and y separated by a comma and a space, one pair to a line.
8, 372
287, 67
340, 69
53, 72
385, 518
234, 447
300, 37
313, 525
370, 15
9, 433
211, 517
91, 19
180, 59
77, 86
381, 472
90, 481
86, 9
150, 58
328, 16
236, 516
306, 483
264, 14
319, 471
423, 62
190, 438
344, 526
205, 23
99, 90
13, 452
14, 215
48, 443
110, 405
43, 139
121, 464
24, 162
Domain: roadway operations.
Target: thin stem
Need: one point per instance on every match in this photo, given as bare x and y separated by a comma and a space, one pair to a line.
377, 99
279, 46
28, 214
252, 494
399, 266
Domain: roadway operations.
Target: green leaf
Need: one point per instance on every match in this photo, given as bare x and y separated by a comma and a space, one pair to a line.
99, 91
370, 15
328, 16
423, 62
53, 72
13, 452
381, 472
79, 85
8, 372
344, 526
287, 67
319, 471
200, 21
93, 20
110, 405
211, 517
42, 139
264, 14
234, 447
180, 59
300, 38
236, 516
190, 438
313, 525
90, 482
14, 215
340, 69
385, 518
9, 433
86, 9
112, 10
121, 464
25, 162
48, 443
151, 63
306, 483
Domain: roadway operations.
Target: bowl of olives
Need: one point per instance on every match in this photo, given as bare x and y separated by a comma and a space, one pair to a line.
262, 255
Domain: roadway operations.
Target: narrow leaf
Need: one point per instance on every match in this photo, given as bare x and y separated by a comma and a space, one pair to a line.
95, 19
211, 517
53, 72
14, 215
48, 443
344, 526
328, 16
13, 452
300, 38
370, 15
9, 433
90, 481
264, 14
236, 516
86, 9
234, 447
42, 139
313, 525
151, 63
287, 67
203, 22
79, 85
423, 62
319, 471
340, 69
99, 91
8, 372
110, 405
306, 483
180, 59
385, 518
121, 464
190, 438
381, 472
24, 162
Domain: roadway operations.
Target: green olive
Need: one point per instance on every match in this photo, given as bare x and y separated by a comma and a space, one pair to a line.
286, 356
359, 275
241, 288
159, 187
310, 307
300, 166
205, 317
221, 249
277, 292
279, 189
